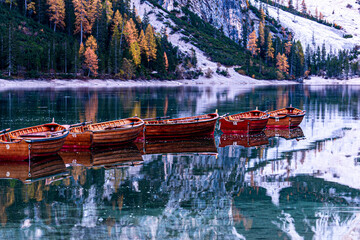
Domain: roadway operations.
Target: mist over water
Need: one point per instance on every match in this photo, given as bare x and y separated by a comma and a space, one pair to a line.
301, 184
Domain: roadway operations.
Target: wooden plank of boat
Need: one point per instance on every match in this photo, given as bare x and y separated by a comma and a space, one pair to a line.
246, 122
203, 145
288, 117
245, 140
104, 134
287, 133
182, 127
42, 140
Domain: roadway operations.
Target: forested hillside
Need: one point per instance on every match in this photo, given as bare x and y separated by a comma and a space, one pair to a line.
68, 39
108, 39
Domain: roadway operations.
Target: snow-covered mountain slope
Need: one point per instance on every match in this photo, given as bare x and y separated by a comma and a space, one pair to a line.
305, 30
345, 13
227, 15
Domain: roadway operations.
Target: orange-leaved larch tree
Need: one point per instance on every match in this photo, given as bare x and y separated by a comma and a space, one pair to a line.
135, 53
108, 10
270, 49
91, 43
130, 31
83, 17
288, 47
261, 34
166, 61
151, 43
142, 42
281, 63
252, 46
57, 12
91, 59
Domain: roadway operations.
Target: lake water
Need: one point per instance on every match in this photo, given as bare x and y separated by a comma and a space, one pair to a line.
302, 184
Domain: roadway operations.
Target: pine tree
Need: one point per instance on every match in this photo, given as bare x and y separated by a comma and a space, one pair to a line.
57, 13
290, 4
151, 43
245, 30
252, 45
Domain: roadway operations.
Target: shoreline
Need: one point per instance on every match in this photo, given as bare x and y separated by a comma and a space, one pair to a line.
111, 83
215, 81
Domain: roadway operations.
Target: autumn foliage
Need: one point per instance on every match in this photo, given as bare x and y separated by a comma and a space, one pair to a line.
57, 12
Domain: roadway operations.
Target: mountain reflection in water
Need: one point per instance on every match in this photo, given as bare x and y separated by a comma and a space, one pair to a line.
297, 183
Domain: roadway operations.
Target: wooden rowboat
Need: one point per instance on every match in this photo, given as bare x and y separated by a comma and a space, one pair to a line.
182, 127
42, 140
247, 122
104, 134
245, 140
286, 117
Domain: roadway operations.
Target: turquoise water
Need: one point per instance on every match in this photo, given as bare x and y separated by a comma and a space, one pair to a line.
297, 185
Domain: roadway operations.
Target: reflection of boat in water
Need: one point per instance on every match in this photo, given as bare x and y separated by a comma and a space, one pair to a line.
285, 133
116, 132
245, 140
42, 140
193, 145
246, 122
181, 127
118, 156
40, 168
286, 117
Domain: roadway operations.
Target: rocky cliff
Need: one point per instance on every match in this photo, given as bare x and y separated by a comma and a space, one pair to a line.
223, 14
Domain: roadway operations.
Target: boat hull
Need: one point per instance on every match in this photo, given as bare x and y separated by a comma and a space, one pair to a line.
116, 136
180, 130
103, 136
25, 149
288, 121
244, 126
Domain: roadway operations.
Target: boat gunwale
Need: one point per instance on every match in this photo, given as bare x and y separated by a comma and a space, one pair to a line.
166, 122
264, 116
28, 139
46, 139
136, 124
115, 129
298, 114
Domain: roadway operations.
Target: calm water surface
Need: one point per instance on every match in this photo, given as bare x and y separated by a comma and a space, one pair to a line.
302, 184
